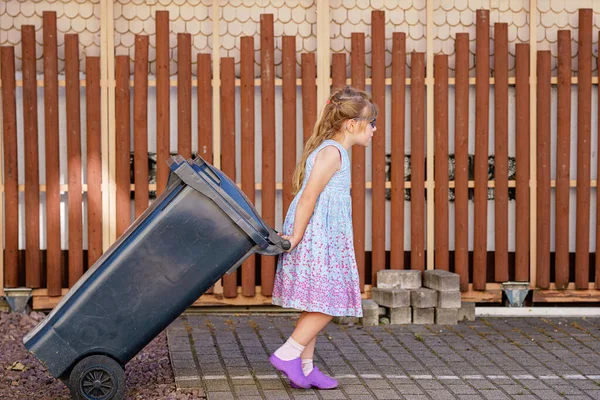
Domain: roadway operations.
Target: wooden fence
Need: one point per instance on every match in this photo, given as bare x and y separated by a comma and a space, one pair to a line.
53, 269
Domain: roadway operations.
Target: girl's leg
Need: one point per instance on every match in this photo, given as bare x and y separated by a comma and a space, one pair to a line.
308, 326
307, 356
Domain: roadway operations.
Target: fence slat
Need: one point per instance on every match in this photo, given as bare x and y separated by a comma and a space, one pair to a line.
309, 94
74, 157
162, 100
289, 122
267, 96
397, 161
501, 152
358, 161
122, 139
248, 164
543, 169
94, 158
563, 160
482, 87
417, 162
522, 158
584, 117
204, 107
228, 144
338, 71
11, 169
32, 176
441, 161
378, 146
140, 125
598, 214
461, 161
184, 94
53, 247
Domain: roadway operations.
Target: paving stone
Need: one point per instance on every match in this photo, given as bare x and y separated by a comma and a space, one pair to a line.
398, 279
466, 312
423, 316
449, 299
441, 280
423, 298
446, 316
392, 298
220, 396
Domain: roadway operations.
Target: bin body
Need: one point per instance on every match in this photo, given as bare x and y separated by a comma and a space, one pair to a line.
166, 260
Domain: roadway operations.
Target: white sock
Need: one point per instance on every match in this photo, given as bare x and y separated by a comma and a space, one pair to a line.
290, 350
307, 366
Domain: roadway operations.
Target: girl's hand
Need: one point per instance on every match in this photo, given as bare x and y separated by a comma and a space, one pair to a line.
292, 239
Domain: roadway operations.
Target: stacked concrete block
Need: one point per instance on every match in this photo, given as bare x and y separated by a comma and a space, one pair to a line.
466, 312
447, 285
370, 313
391, 298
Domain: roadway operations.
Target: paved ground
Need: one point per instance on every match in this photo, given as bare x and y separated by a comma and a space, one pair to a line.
525, 358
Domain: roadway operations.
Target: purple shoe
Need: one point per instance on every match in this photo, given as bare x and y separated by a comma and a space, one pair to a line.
292, 369
319, 380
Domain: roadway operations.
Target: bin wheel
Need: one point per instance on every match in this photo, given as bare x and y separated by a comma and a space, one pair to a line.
97, 378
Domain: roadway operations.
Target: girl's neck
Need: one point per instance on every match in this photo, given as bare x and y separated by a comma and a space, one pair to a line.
344, 140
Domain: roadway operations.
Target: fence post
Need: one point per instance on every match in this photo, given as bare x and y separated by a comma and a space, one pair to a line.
1, 196
323, 50
216, 93
107, 84
429, 183
532, 142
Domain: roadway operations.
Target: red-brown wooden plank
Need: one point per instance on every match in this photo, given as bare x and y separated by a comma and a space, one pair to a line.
122, 139
397, 160
441, 161
482, 87
417, 191
358, 161
598, 217
140, 124
247, 119
338, 71
584, 120
204, 107
522, 159
32, 176
501, 151
461, 161
563, 160
267, 96
289, 122
162, 100
53, 248
228, 144
184, 94
543, 169
378, 146
94, 158
74, 157
11, 169
309, 94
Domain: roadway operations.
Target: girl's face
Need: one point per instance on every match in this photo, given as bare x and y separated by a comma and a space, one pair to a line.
361, 130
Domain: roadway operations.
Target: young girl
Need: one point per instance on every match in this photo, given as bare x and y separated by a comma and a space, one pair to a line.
318, 275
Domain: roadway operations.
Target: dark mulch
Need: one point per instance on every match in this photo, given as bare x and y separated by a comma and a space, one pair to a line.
22, 376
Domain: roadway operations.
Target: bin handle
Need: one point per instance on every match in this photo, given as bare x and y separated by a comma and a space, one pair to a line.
210, 171
286, 245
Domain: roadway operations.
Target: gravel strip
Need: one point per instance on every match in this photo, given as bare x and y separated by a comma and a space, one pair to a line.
149, 375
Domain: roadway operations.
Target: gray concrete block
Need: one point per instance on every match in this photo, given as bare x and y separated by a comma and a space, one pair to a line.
423, 298
466, 312
398, 279
346, 320
450, 299
400, 315
422, 316
441, 280
392, 298
446, 316
370, 313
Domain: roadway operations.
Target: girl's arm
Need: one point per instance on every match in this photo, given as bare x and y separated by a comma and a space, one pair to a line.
327, 162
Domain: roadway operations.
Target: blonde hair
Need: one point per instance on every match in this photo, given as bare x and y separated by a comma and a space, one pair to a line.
344, 104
